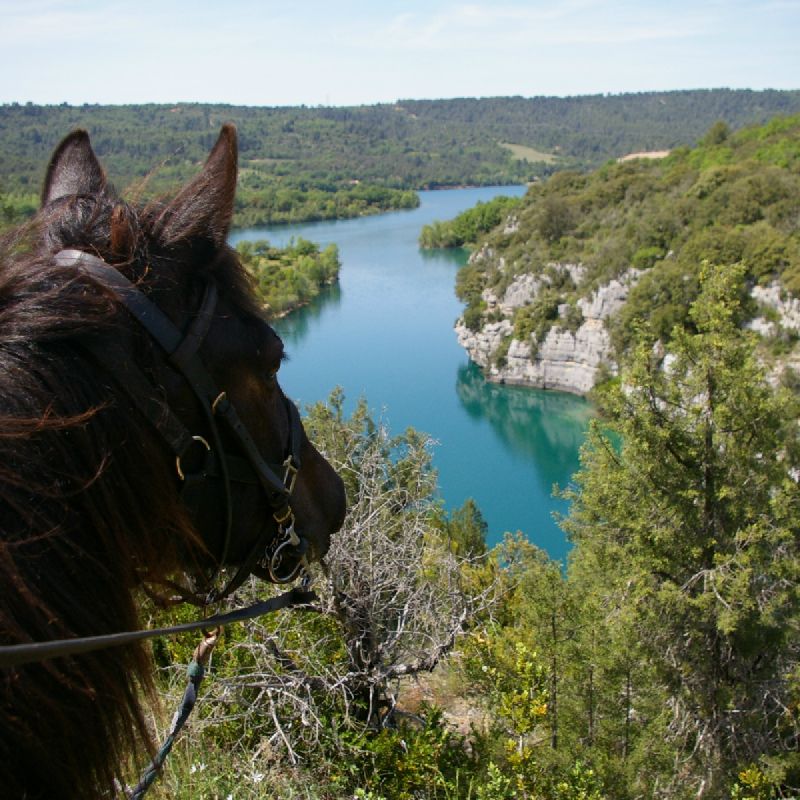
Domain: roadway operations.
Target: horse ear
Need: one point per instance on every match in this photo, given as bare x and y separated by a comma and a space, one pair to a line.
73, 169
204, 207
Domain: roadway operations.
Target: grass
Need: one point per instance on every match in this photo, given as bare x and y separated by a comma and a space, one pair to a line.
523, 153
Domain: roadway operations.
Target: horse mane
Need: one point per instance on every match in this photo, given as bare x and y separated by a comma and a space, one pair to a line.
88, 508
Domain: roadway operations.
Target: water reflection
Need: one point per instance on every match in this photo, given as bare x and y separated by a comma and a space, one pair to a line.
544, 427
454, 255
296, 326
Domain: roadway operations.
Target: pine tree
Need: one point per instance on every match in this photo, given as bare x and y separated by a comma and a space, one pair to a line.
690, 528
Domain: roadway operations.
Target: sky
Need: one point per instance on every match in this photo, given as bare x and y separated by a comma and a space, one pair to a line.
353, 52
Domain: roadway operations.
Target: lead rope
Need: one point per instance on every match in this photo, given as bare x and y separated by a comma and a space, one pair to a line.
195, 672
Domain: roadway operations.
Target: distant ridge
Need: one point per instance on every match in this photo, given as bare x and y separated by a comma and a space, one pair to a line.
411, 144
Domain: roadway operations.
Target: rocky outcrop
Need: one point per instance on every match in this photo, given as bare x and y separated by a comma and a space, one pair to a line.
483, 344
569, 358
565, 359
785, 310
780, 318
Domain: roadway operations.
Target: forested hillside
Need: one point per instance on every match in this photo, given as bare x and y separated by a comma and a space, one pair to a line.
662, 663
596, 256
309, 163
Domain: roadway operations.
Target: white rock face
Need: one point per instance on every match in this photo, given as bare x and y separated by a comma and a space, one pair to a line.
482, 344
564, 360
788, 308
569, 361
520, 292
610, 298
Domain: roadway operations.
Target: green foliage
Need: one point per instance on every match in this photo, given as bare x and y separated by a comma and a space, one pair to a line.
16, 207
724, 201
286, 278
423, 758
646, 257
690, 530
466, 529
270, 201
753, 784
469, 285
319, 163
537, 318
573, 318
469, 225
513, 682
717, 134
554, 218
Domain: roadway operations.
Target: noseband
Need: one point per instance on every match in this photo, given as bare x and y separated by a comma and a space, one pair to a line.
280, 558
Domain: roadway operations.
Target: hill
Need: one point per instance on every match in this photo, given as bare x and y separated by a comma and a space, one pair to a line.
556, 292
299, 163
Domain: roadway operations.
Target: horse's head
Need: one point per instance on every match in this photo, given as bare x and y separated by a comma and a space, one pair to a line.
195, 357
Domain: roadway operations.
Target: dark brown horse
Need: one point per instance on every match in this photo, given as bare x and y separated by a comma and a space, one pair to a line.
98, 405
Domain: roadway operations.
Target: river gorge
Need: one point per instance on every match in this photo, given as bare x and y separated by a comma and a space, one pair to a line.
386, 333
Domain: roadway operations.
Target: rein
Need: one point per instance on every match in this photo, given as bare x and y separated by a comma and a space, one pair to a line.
283, 558
19, 654
280, 557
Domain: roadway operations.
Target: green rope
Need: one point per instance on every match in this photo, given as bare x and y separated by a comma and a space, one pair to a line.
195, 671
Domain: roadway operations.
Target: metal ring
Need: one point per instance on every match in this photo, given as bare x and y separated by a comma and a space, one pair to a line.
178, 458
220, 397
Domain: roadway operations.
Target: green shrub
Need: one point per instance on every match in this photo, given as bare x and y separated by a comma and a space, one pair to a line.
473, 317
469, 225
645, 257
286, 278
538, 317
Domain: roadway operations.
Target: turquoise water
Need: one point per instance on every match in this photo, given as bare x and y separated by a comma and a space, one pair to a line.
386, 333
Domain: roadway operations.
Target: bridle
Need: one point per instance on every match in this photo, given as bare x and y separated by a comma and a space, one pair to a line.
280, 557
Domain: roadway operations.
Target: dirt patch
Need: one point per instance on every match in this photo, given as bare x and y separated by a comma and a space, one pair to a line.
443, 689
651, 154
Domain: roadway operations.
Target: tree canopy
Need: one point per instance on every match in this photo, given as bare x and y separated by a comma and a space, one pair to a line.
316, 163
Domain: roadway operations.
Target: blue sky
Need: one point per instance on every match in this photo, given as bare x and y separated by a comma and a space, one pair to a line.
345, 52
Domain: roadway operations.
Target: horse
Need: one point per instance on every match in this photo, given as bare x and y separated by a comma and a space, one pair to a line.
145, 445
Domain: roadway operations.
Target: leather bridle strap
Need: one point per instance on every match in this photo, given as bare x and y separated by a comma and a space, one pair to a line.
181, 351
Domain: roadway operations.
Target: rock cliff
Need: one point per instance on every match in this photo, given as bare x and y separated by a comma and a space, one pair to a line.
568, 357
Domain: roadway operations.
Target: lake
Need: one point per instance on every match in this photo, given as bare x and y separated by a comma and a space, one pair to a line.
386, 333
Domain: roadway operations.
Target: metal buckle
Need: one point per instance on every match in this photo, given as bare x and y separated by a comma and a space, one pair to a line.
290, 476
221, 397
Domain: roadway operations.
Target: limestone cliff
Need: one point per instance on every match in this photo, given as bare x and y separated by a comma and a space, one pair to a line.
569, 360
568, 357
590, 255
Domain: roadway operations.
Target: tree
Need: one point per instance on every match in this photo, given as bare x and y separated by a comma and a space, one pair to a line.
717, 133
392, 602
466, 529
695, 518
